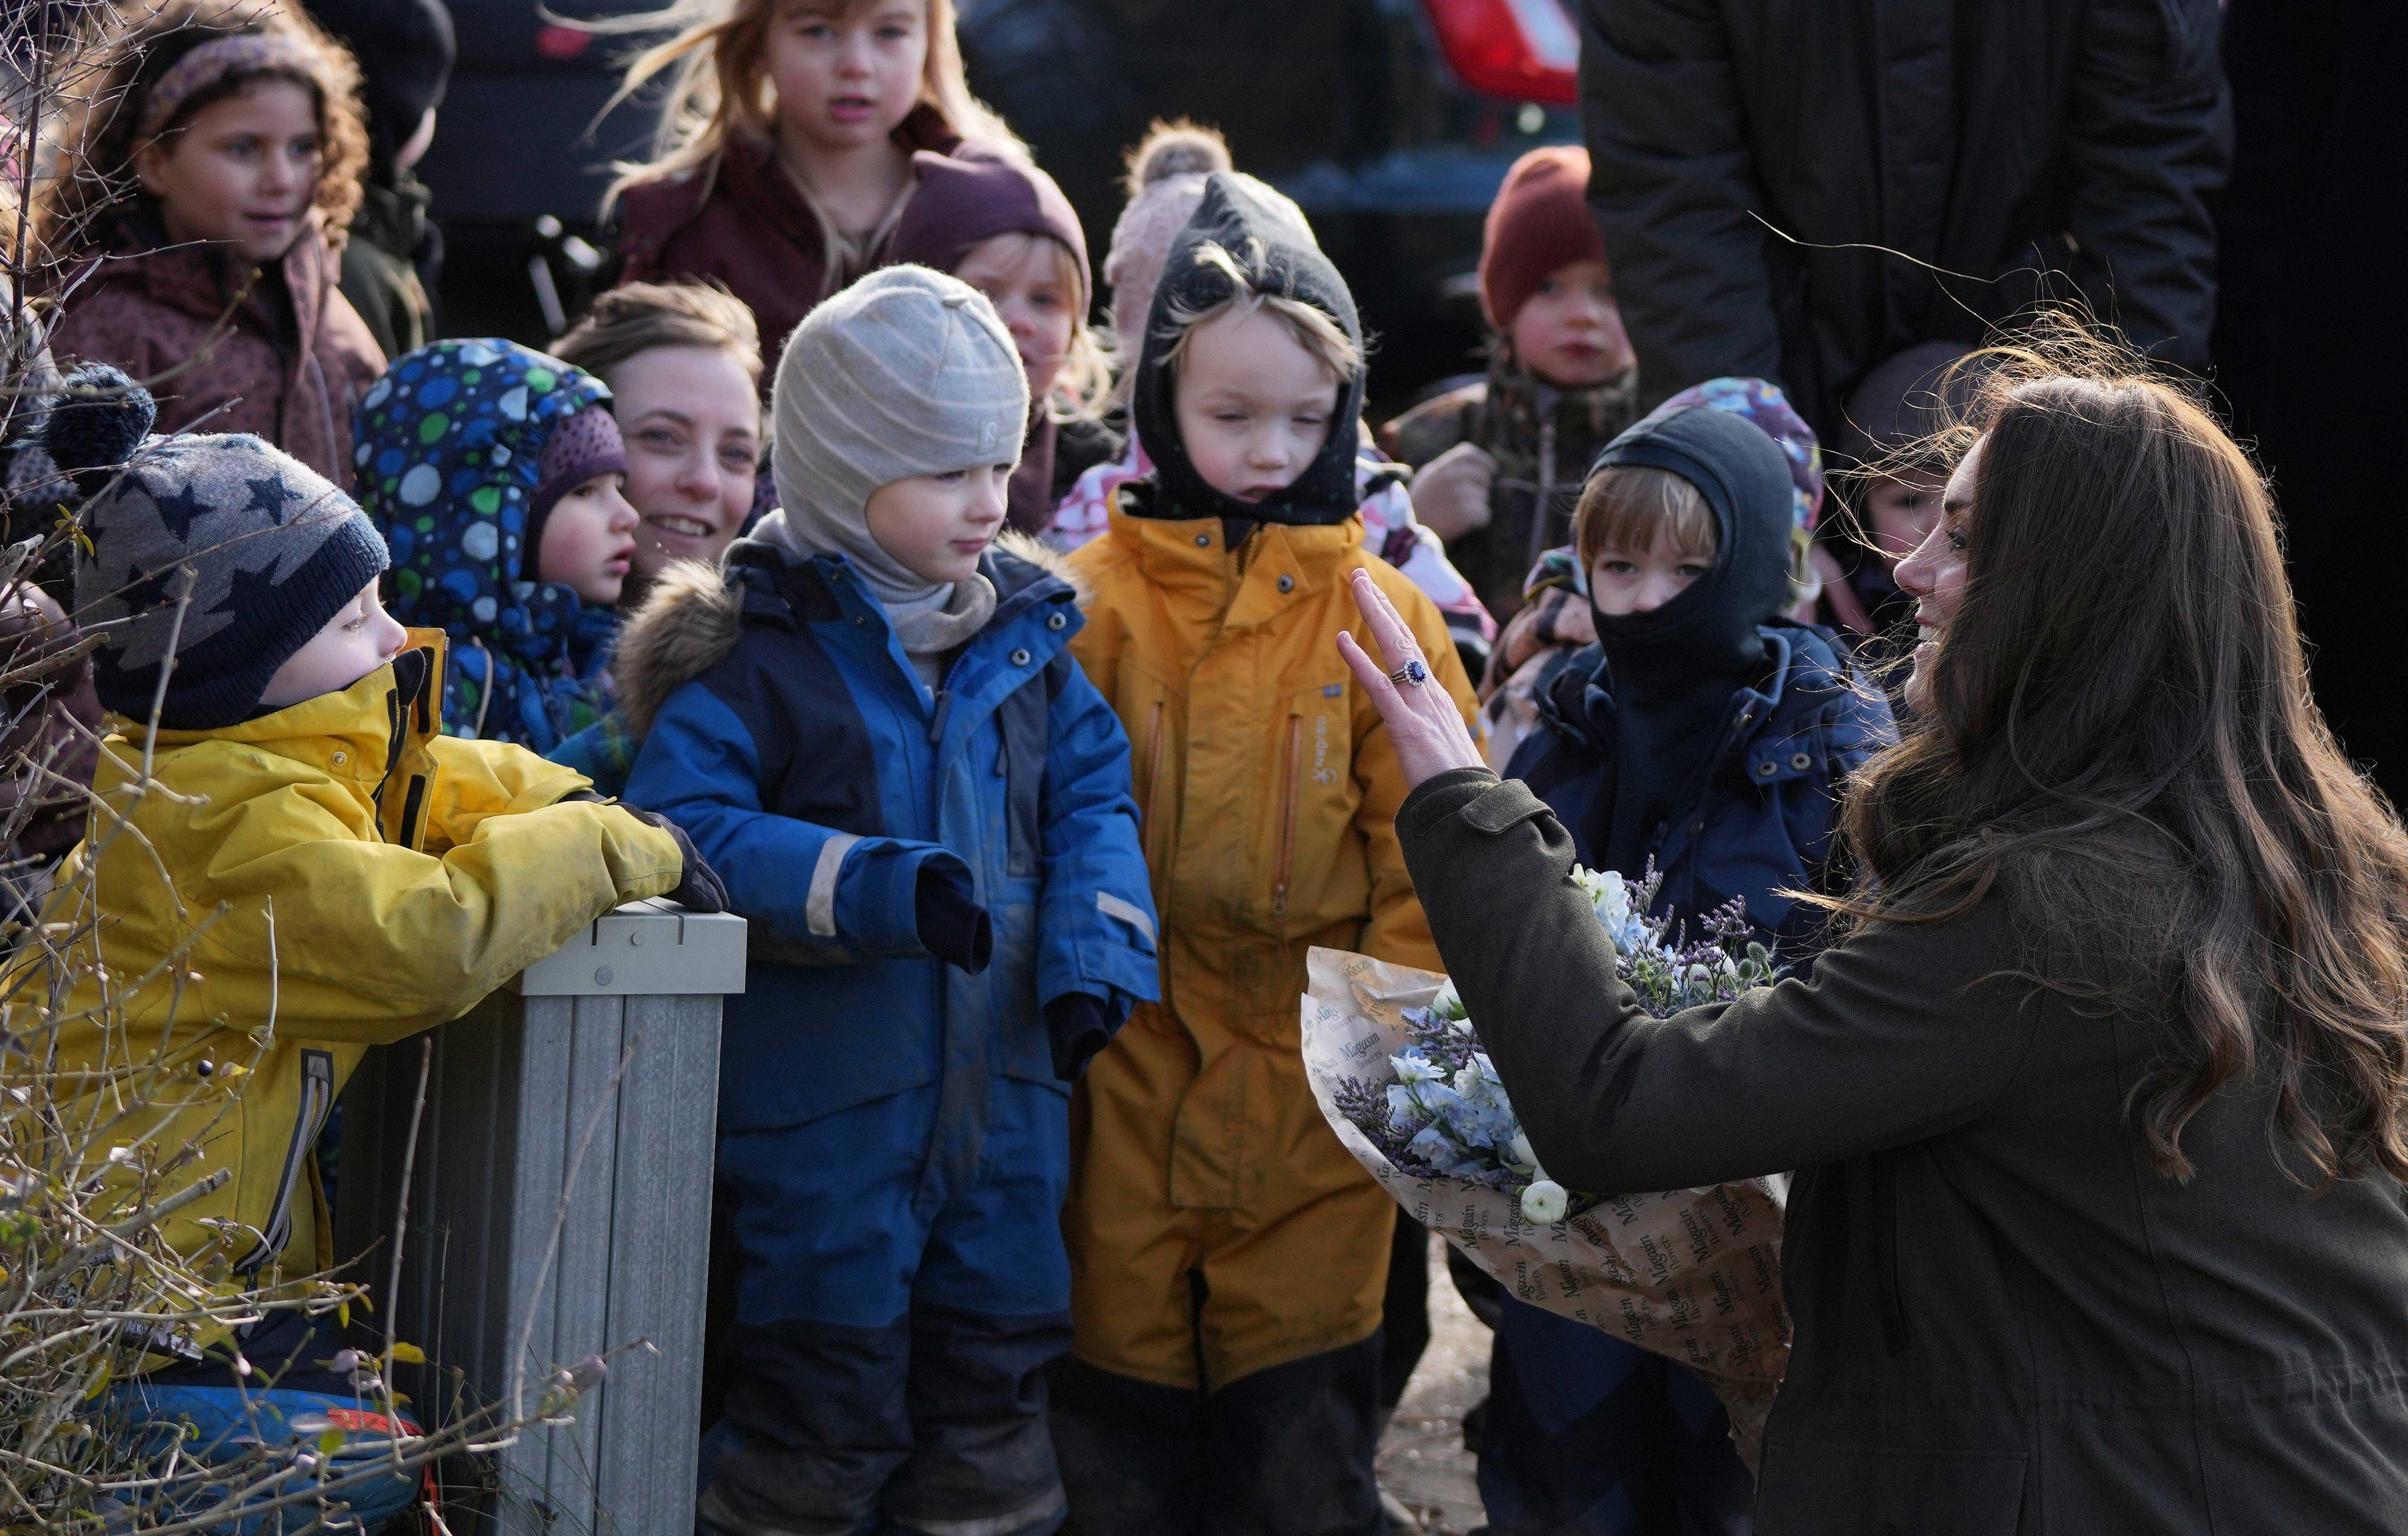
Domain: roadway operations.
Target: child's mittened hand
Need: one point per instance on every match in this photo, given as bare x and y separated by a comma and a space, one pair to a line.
699, 889
1451, 491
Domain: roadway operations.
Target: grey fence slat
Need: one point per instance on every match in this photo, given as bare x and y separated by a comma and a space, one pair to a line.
657, 1276
515, 1085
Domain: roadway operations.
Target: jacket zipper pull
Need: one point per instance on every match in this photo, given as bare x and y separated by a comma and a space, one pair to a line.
944, 708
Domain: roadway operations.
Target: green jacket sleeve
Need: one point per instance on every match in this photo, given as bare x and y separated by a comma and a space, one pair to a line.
1904, 1032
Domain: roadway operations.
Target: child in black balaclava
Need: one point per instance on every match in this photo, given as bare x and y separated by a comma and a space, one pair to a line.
1708, 734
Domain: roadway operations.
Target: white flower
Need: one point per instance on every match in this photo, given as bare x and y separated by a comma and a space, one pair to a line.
1448, 1004
1545, 1201
1518, 1150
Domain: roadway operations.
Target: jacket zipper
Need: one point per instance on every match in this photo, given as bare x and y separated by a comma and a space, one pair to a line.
395, 725
1287, 850
1694, 791
317, 1097
1153, 781
1543, 524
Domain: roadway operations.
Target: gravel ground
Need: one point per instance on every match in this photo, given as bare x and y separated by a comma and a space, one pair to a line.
1423, 1464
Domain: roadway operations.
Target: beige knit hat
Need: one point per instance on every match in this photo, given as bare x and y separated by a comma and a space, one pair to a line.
906, 372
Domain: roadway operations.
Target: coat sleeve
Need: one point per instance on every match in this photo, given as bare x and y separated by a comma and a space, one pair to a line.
372, 942
1903, 1033
1673, 185
1096, 921
1397, 930
821, 895
474, 780
2149, 135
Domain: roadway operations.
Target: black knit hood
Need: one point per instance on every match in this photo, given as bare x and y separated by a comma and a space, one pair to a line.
1262, 239
1673, 672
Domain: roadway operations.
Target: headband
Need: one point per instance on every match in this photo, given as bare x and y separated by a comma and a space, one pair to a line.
212, 61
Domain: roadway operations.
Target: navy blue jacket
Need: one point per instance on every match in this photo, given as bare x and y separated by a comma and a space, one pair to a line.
1759, 819
862, 823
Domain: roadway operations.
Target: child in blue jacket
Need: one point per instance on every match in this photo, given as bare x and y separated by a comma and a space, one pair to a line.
1707, 734
871, 723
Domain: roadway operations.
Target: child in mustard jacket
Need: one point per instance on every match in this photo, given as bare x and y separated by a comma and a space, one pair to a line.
1227, 1254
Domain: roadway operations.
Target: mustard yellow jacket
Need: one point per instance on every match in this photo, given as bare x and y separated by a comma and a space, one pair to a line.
290, 891
1265, 778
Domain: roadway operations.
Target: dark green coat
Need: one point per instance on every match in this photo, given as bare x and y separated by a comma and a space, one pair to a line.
2007, 1320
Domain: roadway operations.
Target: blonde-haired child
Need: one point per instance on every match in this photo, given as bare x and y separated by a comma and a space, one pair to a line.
1166, 176
782, 160
1005, 228
1227, 1254
198, 208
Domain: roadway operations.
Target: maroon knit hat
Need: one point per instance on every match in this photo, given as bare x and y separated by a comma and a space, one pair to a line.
974, 194
580, 449
1539, 222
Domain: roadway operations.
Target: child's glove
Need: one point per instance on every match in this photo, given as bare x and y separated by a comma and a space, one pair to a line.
1451, 491
952, 928
698, 886
1077, 1028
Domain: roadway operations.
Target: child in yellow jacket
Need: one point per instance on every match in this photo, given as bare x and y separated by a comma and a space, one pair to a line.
1227, 1254
306, 868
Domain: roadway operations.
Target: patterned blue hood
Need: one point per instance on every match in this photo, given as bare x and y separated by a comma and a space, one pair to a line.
450, 446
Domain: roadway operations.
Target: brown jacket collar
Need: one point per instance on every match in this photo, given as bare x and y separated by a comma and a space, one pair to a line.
206, 280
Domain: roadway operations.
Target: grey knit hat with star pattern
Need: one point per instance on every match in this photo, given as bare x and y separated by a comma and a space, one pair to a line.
255, 550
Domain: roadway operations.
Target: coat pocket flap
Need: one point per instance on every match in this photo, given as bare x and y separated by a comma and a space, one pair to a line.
1505, 805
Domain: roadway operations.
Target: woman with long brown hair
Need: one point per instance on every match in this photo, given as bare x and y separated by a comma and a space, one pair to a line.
2099, 1103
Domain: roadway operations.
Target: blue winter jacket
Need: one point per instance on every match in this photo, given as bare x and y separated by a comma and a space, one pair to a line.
1759, 819
857, 819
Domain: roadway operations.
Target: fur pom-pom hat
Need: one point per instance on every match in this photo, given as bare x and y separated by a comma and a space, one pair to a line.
1165, 186
251, 548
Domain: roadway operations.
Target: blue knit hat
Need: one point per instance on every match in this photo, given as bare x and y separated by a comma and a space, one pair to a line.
257, 550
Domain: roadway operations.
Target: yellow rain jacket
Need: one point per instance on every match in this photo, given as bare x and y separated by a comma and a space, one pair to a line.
297, 888
1270, 792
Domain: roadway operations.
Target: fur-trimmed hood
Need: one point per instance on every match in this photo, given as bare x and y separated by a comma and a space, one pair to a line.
695, 614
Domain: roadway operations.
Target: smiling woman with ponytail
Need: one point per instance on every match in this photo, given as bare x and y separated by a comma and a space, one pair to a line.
2098, 1105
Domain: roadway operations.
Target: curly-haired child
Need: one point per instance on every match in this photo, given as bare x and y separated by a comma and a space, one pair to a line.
206, 183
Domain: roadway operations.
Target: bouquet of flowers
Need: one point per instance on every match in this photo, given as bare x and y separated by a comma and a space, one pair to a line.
1446, 1115
1398, 1067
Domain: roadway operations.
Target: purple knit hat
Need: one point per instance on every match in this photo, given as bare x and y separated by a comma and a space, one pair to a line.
583, 447
1763, 403
974, 194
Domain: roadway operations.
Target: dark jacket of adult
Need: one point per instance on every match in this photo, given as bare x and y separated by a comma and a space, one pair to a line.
2007, 1320
1999, 141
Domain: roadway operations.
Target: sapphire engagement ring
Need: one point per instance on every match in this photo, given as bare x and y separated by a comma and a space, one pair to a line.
1412, 674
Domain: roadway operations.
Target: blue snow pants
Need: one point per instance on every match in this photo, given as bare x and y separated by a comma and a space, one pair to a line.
902, 1285
1589, 1436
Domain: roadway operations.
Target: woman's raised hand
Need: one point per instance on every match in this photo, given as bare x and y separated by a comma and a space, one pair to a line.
1427, 729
